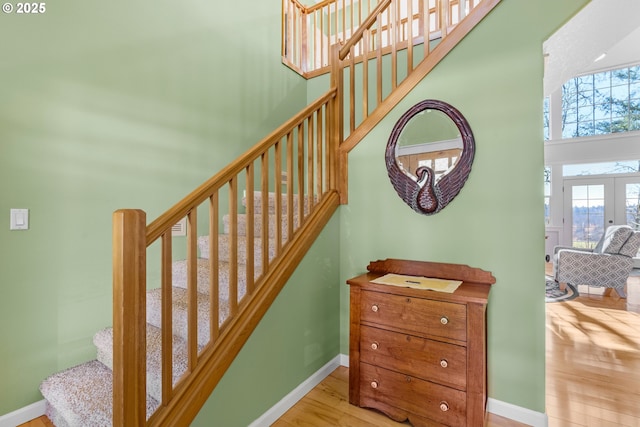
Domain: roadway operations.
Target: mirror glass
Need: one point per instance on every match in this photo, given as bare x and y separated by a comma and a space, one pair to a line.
429, 155
429, 139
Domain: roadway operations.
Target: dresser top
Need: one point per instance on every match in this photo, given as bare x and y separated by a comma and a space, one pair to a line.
475, 287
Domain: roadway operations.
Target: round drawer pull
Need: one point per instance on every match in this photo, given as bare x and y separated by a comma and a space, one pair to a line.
374, 384
374, 345
444, 406
375, 308
444, 320
444, 363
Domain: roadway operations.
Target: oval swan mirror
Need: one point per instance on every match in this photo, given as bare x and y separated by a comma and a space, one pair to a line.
429, 155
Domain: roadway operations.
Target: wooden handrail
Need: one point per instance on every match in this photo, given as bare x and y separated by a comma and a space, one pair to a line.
200, 194
364, 26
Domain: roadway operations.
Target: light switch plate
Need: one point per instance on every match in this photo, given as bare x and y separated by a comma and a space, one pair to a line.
19, 219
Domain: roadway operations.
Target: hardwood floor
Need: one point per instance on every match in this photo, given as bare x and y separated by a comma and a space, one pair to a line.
592, 380
593, 359
328, 405
42, 421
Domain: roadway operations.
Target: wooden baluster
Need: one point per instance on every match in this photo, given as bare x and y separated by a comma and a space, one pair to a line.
365, 75
344, 22
290, 187
379, 63
278, 194
129, 318
324, 53
426, 31
192, 288
214, 267
264, 185
250, 224
301, 185
283, 29
319, 153
409, 36
352, 90
310, 164
233, 247
336, 117
393, 30
304, 45
167, 317
444, 18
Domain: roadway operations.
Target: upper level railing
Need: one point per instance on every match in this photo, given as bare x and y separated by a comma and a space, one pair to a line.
308, 32
290, 174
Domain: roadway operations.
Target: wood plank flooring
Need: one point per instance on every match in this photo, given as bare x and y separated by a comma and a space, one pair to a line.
592, 375
593, 359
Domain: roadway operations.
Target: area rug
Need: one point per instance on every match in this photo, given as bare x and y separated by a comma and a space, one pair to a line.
553, 293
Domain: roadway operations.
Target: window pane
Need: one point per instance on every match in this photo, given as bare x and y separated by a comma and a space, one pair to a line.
620, 92
601, 168
619, 77
602, 80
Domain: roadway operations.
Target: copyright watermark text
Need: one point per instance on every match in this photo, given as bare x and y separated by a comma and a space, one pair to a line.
24, 8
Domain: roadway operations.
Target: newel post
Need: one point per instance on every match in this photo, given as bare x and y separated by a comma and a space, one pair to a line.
129, 318
338, 158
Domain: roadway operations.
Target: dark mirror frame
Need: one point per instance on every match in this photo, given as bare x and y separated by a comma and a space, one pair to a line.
427, 196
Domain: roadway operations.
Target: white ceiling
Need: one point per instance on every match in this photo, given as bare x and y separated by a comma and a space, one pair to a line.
602, 26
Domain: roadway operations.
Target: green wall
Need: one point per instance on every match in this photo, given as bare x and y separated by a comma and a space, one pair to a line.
494, 77
108, 105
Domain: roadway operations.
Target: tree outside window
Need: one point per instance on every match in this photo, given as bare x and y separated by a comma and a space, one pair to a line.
601, 103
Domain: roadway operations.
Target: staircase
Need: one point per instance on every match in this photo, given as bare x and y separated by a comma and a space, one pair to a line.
172, 341
81, 396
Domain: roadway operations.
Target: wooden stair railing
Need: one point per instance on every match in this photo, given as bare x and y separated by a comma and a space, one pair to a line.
308, 32
303, 150
312, 150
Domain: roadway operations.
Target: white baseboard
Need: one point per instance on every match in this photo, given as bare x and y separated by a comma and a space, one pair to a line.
23, 415
517, 413
344, 360
298, 393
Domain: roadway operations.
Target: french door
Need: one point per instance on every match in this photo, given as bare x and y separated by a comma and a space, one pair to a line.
591, 204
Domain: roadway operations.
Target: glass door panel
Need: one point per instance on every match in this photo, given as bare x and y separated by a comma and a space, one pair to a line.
588, 210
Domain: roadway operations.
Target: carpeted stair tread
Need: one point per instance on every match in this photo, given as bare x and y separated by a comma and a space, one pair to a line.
257, 202
224, 252
257, 221
179, 313
81, 396
103, 341
179, 277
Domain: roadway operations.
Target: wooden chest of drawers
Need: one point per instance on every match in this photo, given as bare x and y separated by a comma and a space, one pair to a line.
418, 354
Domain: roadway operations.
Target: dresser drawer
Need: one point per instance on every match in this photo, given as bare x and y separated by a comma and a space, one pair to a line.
423, 316
421, 358
428, 400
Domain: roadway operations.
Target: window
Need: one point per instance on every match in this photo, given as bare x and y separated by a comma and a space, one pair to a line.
601, 103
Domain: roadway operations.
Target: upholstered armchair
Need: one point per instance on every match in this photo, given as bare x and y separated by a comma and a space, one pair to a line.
607, 265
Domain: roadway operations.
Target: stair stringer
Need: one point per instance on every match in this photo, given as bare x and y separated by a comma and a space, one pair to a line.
192, 393
446, 45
